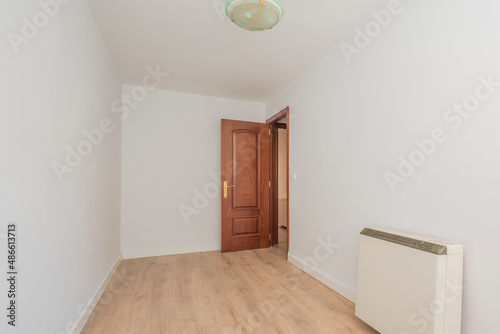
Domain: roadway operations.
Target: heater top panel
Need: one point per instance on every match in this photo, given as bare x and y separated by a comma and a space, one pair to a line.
437, 247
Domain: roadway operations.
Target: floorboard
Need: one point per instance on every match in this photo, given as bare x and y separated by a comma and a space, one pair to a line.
242, 292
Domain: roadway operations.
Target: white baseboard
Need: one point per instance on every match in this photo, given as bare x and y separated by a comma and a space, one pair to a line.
95, 299
330, 282
163, 252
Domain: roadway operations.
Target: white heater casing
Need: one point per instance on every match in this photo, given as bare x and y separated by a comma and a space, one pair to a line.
409, 284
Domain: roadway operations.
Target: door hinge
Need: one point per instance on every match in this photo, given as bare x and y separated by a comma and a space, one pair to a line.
269, 237
269, 184
269, 131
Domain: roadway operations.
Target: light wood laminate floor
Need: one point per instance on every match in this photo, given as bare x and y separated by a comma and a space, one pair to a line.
243, 292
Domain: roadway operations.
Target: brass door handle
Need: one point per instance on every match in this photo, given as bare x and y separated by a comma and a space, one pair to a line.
225, 188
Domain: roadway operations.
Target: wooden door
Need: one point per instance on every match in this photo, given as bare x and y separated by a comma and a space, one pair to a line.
245, 185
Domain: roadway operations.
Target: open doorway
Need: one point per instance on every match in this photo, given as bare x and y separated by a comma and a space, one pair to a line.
255, 184
282, 184
279, 175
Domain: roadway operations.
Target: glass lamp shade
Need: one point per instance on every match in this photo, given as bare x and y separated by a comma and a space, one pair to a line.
254, 15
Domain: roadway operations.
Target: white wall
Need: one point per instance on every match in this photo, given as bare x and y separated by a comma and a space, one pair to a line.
351, 121
61, 82
170, 149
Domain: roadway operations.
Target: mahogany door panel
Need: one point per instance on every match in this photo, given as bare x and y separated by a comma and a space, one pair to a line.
245, 185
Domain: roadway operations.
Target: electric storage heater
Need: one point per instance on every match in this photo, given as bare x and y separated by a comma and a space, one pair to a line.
409, 284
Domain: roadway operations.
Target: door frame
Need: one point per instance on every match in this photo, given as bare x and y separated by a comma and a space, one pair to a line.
273, 199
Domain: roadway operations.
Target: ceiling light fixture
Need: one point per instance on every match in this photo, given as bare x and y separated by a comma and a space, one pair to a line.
254, 15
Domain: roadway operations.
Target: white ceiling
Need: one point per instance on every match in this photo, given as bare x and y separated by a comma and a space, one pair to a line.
205, 53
